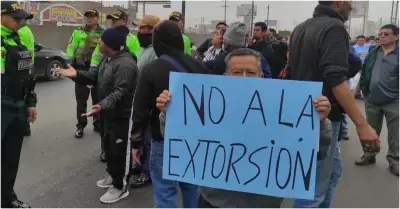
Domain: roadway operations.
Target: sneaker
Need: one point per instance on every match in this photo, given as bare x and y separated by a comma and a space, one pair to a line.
16, 204
27, 132
79, 133
394, 169
96, 129
105, 183
113, 195
141, 181
103, 156
366, 160
345, 136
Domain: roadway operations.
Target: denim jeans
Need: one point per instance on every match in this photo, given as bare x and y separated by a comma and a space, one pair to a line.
165, 191
327, 175
144, 169
344, 124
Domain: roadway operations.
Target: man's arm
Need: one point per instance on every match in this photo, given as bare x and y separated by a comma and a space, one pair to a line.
204, 46
141, 109
334, 63
123, 78
188, 49
87, 77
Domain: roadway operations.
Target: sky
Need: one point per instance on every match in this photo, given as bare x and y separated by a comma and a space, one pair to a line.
288, 13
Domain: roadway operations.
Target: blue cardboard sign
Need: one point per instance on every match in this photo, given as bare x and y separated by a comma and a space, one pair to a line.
242, 134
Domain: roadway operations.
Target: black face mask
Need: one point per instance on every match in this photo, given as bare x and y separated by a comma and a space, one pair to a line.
145, 39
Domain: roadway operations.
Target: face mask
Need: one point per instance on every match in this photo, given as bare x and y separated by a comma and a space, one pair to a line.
145, 39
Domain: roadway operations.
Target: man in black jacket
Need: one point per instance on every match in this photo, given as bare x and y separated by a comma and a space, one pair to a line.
115, 78
272, 50
153, 79
319, 52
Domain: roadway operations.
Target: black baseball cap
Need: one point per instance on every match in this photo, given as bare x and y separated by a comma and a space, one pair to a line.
118, 15
176, 16
91, 12
13, 9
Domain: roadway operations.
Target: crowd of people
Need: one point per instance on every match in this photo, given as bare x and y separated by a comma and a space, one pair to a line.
127, 76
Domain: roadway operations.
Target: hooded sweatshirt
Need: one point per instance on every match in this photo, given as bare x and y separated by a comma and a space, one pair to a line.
154, 78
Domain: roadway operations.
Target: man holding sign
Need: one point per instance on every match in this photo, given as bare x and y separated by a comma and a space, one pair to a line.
244, 180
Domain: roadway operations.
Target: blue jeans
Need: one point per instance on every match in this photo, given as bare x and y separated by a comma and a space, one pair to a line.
344, 124
324, 173
147, 148
165, 191
335, 176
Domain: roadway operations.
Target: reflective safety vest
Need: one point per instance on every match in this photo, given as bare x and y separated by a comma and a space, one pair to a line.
132, 43
82, 44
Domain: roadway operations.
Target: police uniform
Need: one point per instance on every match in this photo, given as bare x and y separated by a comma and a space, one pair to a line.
17, 93
26, 35
80, 48
176, 16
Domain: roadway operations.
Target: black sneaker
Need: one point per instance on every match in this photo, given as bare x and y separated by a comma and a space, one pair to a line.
79, 133
394, 169
366, 160
141, 181
103, 156
27, 132
16, 204
96, 129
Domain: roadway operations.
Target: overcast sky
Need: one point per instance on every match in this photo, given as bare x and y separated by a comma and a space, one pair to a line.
288, 13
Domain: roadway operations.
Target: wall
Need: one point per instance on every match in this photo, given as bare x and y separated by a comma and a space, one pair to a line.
58, 37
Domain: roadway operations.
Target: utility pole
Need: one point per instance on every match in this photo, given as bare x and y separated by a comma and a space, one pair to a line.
252, 17
225, 6
391, 15
183, 14
144, 8
267, 15
366, 8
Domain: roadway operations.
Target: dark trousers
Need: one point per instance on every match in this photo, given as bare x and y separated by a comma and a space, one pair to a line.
117, 148
13, 124
202, 203
82, 95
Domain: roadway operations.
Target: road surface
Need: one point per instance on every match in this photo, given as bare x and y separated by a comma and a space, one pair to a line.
57, 170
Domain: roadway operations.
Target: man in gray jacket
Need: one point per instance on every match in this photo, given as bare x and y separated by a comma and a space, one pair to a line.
219, 198
115, 78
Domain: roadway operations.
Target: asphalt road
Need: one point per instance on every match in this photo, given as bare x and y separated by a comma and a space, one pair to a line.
57, 170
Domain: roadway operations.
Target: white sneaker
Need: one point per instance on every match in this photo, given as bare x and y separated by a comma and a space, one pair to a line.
105, 183
113, 195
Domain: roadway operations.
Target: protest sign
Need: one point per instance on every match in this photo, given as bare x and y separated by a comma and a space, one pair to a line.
242, 134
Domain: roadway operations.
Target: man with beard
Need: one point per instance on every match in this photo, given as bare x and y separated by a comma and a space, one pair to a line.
146, 55
116, 78
266, 44
118, 18
319, 51
81, 47
153, 79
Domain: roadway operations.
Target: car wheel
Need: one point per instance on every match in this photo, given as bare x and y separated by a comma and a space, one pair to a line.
51, 67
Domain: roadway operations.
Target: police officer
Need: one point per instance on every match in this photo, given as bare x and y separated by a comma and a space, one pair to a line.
118, 17
80, 48
178, 18
17, 97
26, 34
